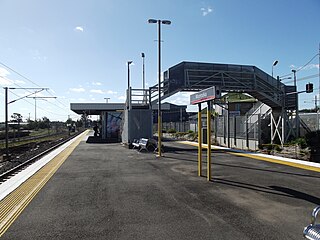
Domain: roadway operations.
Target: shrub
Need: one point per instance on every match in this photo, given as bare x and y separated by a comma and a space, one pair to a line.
180, 134
278, 148
171, 130
301, 142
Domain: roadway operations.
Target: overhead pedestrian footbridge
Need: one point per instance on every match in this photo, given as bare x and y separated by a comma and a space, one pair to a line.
197, 76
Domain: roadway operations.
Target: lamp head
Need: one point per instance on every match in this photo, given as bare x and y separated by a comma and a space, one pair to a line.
275, 62
152, 21
167, 22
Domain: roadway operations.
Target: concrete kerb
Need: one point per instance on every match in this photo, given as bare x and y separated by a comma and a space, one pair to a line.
264, 157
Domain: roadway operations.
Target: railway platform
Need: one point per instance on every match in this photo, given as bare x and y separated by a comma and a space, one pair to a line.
107, 191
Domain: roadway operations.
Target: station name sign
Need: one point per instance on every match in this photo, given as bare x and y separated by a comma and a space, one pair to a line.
204, 96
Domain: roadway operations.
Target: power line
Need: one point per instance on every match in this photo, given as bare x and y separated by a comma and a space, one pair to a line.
57, 100
38, 106
303, 78
19, 74
307, 63
55, 105
24, 77
10, 81
300, 68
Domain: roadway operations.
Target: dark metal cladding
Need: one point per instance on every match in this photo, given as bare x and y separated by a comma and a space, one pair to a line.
197, 76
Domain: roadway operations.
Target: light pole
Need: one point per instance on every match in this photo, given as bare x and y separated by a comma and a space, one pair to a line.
166, 22
274, 64
297, 103
6, 123
128, 92
143, 73
143, 80
107, 99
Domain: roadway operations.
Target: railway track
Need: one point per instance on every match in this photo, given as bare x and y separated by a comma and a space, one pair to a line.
17, 165
28, 138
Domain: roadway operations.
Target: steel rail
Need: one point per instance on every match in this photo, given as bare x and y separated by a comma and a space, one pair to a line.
33, 159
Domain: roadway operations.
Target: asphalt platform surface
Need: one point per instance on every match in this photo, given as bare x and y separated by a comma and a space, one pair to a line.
106, 191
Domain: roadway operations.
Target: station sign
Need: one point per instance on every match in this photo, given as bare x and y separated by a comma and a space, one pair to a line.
205, 95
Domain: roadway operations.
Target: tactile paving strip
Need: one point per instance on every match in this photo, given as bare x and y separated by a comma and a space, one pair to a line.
13, 204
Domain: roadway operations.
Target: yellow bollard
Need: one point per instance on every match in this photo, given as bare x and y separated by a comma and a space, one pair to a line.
199, 141
209, 141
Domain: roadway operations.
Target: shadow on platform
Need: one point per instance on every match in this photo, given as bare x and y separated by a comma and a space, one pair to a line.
93, 139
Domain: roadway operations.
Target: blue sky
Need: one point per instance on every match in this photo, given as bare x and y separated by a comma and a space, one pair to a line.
79, 49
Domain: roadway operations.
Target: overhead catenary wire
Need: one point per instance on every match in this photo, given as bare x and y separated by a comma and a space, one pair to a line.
12, 82
303, 78
300, 68
37, 106
24, 77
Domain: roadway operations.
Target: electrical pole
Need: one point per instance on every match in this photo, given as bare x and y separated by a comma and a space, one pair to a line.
143, 72
35, 105
143, 80
6, 123
297, 104
319, 89
6, 113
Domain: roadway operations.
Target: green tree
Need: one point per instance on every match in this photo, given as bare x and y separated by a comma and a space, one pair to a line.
69, 121
17, 118
44, 123
84, 119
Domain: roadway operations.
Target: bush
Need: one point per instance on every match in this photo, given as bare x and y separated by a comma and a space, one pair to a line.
271, 147
171, 130
301, 142
192, 135
180, 134
277, 148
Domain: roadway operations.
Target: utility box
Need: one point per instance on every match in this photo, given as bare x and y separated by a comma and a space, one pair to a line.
137, 124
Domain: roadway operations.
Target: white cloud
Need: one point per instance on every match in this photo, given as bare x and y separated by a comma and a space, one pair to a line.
122, 98
96, 91
180, 98
111, 92
311, 66
36, 55
307, 67
4, 72
79, 29
206, 11
99, 91
78, 90
4, 80
96, 83
81, 99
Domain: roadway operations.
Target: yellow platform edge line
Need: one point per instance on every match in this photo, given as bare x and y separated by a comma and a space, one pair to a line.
60, 159
291, 164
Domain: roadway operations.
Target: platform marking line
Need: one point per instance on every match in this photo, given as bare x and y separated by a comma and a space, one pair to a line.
13, 204
248, 155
